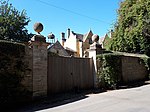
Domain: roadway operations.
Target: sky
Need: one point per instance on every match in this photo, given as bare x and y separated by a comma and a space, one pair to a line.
78, 15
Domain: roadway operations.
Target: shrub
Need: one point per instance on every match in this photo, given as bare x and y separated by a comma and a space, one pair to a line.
109, 70
12, 69
146, 61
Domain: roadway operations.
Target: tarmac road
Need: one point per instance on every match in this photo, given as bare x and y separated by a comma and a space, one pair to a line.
124, 100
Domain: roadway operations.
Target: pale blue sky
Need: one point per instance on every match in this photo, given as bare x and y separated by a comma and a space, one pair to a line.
78, 15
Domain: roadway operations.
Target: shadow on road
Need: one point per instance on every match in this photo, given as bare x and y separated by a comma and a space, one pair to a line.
61, 99
45, 103
133, 84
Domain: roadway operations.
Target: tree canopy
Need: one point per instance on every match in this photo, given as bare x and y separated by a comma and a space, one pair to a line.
132, 29
12, 23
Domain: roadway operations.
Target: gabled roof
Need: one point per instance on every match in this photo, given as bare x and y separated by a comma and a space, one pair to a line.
87, 35
102, 39
58, 47
78, 36
69, 49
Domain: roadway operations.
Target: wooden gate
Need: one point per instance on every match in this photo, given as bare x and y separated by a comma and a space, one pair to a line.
69, 73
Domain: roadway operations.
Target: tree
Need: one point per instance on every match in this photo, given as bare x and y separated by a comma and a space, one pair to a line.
12, 23
132, 29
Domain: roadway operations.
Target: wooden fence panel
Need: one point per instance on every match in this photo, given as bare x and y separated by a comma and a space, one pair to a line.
69, 73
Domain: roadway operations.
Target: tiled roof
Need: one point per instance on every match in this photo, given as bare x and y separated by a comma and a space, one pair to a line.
101, 39
57, 46
69, 49
87, 35
78, 36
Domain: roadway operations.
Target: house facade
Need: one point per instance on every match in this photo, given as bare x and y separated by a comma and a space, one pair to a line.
58, 49
74, 43
77, 44
104, 41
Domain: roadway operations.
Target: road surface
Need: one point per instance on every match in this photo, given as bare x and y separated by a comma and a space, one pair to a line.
124, 100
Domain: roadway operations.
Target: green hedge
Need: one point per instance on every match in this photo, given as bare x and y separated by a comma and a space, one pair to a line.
109, 68
12, 69
12, 48
108, 74
146, 61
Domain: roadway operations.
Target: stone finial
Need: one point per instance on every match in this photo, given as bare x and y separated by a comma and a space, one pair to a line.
38, 27
95, 38
95, 44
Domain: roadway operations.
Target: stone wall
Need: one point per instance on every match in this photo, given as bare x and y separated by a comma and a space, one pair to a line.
35, 79
27, 82
15, 72
133, 69
128, 67
39, 70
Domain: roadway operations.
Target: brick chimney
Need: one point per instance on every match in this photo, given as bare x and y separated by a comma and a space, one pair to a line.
68, 31
63, 38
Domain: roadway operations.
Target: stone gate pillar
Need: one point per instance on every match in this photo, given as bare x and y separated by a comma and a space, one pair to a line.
39, 62
95, 49
39, 70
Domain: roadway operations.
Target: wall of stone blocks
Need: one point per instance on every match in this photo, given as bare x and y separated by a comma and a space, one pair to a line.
35, 79
39, 69
133, 69
27, 82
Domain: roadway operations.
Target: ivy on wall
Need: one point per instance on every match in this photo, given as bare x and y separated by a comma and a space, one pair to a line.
108, 74
146, 61
109, 69
12, 48
12, 70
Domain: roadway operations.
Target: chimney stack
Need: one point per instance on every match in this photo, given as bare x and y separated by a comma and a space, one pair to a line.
111, 33
68, 32
63, 38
